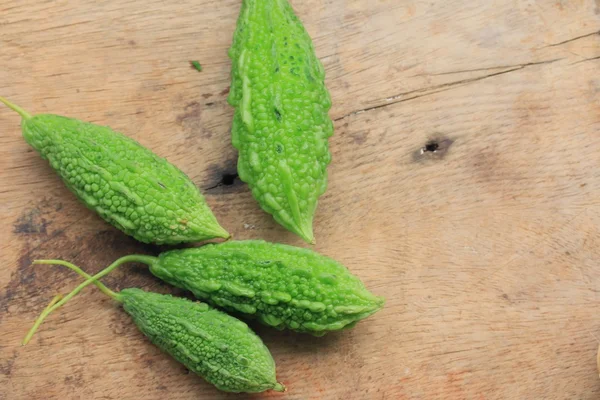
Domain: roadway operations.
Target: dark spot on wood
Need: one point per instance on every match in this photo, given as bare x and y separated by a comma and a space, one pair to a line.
228, 179
567, 253
162, 388
210, 104
191, 121
431, 146
207, 95
192, 104
505, 296
31, 222
75, 380
225, 178
28, 281
224, 91
435, 148
359, 137
132, 43
149, 362
6, 366
583, 185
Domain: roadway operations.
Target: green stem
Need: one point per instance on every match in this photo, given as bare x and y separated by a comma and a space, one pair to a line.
54, 300
89, 280
24, 114
81, 272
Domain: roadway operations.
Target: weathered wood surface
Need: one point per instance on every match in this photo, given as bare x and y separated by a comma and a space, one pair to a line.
487, 250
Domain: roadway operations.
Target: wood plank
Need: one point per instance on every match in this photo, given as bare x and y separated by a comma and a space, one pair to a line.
486, 250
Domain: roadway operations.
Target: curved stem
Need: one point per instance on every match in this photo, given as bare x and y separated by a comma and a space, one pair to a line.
81, 272
54, 300
24, 114
88, 281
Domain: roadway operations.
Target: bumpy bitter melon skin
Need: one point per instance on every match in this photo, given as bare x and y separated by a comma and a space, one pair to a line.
128, 185
284, 286
218, 347
281, 124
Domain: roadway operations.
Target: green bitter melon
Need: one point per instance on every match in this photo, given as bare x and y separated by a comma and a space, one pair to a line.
281, 124
218, 347
283, 286
129, 186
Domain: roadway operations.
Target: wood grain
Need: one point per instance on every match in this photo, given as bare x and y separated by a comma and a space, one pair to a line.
487, 250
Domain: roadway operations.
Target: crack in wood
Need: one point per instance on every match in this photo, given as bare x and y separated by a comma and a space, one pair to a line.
442, 88
491, 68
572, 39
586, 59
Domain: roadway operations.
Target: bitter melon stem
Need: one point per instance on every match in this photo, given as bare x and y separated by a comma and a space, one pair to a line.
81, 272
57, 302
24, 114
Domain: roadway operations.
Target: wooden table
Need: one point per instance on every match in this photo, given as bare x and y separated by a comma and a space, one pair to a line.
487, 249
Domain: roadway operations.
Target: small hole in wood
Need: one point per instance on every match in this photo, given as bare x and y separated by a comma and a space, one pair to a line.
228, 179
435, 148
430, 147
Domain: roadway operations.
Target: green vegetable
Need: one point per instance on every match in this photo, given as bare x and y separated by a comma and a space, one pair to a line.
129, 186
284, 286
214, 345
196, 65
281, 122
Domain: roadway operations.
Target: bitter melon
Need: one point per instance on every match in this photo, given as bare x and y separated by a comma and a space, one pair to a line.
284, 286
281, 124
218, 347
129, 186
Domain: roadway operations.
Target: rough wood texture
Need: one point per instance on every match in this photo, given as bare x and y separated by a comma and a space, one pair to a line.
487, 250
